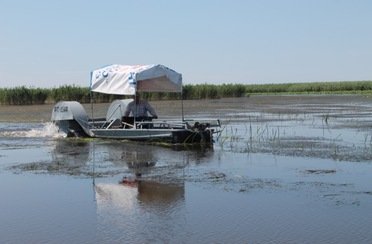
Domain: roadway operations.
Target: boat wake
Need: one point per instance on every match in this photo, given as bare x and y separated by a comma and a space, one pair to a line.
47, 130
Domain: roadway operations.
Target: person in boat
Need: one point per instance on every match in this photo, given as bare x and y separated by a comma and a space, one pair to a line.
140, 109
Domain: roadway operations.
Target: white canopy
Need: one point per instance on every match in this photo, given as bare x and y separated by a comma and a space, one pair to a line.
127, 79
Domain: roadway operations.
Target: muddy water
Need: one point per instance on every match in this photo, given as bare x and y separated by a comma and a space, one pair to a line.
283, 169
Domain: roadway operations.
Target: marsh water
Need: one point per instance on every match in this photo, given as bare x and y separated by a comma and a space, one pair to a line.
283, 169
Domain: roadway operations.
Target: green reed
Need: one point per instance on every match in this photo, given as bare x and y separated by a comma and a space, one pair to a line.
24, 96
341, 87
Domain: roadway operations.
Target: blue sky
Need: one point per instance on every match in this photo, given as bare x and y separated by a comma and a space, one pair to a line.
49, 43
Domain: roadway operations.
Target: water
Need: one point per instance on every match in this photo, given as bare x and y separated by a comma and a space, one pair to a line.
283, 170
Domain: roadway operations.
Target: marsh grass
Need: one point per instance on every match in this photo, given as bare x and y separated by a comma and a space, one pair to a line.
341, 87
23, 96
28, 96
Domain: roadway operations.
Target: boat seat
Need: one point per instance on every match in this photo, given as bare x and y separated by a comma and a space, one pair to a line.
126, 125
116, 123
128, 122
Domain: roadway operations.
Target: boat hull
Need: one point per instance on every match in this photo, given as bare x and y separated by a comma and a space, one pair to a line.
156, 135
72, 119
71, 128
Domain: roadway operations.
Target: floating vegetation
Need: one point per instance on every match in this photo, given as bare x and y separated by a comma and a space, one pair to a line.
285, 135
320, 171
317, 147
63, 168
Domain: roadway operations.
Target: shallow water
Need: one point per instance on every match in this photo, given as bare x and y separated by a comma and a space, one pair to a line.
282, 170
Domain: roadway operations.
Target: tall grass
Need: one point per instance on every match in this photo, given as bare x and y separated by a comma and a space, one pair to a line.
70, 93
210, 91
24, 96
344, 87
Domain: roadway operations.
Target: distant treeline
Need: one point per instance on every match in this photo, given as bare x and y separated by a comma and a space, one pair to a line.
27, 96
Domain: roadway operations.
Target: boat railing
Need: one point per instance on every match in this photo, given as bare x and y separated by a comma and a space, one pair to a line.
177, 124
157, 124
161, 125
114, 122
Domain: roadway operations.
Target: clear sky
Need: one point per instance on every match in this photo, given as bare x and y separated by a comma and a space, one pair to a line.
49, 43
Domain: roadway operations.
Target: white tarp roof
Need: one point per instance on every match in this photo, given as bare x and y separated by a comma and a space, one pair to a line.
127, 79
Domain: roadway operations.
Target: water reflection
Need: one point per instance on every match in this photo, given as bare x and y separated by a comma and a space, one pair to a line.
100, 158
140, 159
152, 196
145, 193
75, 152
160, 193
140, 213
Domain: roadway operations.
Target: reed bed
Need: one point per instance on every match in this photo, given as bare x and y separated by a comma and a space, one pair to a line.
341, 87
28, 96
23, 96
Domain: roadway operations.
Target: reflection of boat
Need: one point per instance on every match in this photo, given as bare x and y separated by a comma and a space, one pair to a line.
151, 192
71, 117
147, 192
72, 152
78, 156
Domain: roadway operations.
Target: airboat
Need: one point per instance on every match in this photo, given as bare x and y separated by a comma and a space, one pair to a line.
72, 119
